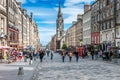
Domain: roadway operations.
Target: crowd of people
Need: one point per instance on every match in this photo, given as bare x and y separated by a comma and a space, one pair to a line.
93, 52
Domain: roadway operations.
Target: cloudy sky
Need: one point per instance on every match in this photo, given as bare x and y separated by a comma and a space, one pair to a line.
45, 14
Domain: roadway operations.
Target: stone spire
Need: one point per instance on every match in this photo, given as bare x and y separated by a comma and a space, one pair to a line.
59, 10
59, 27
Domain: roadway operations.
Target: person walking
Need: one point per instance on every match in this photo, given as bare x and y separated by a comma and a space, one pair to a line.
92, 52
51, 55
110, 54
41, 55
31, 58
70, 56
63, 56
47, 53
76, 55
96, 51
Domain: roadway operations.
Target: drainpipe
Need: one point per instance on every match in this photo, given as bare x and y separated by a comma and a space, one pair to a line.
7, 21
115, 22
22, 29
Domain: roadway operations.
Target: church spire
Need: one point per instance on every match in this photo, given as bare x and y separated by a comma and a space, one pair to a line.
59, 10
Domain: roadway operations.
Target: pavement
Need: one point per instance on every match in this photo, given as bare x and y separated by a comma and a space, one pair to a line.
85, 69
10, 71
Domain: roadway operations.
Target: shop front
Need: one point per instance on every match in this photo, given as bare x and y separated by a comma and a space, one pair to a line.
95, 38
13, 38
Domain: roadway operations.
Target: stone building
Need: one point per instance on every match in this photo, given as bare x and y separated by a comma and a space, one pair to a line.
3, 24
53, 43
60, 28
95, 31
19, 24
71, 35
36, 37
117, 35
87, 25
106, 20
28, 31
79, 30
24, 28
17, 29
12, 23
74, 35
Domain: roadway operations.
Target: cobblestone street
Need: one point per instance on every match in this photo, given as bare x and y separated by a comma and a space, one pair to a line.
83, 70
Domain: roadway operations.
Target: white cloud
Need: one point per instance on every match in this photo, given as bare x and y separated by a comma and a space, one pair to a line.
23, 1
38, 11
72, 10
46, 22
45, 29
73, 2
46, 34
72, 13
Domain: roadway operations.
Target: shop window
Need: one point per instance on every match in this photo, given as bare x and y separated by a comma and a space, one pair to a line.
11, 35
117, 31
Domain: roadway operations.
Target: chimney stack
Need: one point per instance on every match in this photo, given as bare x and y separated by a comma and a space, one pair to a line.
24, 11
86, 8
79, 17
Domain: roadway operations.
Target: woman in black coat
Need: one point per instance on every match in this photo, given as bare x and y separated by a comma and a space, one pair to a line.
41, 55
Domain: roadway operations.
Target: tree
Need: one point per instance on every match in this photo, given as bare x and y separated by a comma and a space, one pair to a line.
64, 46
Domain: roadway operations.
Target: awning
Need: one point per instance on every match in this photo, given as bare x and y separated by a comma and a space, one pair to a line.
5, 47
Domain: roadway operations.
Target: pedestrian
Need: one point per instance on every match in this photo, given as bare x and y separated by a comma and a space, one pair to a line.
31, 58
51, 55
76, 55
63, 55
48, 53
110, 54
96, 51
92, 52
34, 55
41, 55
70, 56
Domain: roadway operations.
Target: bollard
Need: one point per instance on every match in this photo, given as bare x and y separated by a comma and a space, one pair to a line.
30, 62
20, 71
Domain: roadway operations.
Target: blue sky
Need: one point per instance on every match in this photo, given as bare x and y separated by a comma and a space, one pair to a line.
45, 14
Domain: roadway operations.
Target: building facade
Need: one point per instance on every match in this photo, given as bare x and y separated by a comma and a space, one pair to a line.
87, 26
117, 14
95, 28
60, 28
79, 30
3, 24
53, 43
107, 27
71, 35
17, 29
19, 24
13, 31
74, 35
